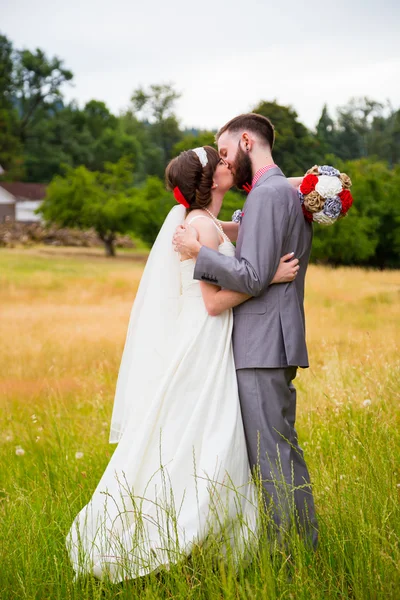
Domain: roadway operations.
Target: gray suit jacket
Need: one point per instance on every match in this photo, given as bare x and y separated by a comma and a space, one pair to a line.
269, 329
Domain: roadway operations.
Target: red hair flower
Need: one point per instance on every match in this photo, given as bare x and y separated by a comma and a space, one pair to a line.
346, 199
179, 197
308, 184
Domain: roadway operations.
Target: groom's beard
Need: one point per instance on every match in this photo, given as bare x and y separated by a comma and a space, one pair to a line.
243, 172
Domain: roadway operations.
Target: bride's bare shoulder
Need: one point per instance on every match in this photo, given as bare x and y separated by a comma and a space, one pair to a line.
195, 214
205, 227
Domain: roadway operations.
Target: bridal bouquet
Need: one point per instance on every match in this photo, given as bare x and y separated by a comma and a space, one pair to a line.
325, 195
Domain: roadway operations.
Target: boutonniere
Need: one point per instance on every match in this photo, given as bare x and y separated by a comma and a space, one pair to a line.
237, 216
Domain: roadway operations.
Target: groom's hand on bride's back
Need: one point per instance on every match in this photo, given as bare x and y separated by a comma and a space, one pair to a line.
185, 240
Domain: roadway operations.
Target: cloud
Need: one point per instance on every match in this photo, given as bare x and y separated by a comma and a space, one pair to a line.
224, 58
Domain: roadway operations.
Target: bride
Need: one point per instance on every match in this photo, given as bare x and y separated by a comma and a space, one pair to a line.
180, 472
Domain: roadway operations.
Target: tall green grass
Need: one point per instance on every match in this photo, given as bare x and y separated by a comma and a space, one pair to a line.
56, 400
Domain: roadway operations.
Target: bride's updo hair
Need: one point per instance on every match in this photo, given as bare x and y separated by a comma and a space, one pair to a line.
194, 181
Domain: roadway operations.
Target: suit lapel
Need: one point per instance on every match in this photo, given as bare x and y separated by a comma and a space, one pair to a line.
263, 178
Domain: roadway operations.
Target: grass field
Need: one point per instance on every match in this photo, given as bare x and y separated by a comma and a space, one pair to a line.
63, 321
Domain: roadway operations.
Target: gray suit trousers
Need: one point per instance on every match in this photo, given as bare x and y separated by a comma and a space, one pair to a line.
268, 404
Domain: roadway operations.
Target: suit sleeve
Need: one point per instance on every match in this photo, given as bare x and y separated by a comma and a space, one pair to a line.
261, 235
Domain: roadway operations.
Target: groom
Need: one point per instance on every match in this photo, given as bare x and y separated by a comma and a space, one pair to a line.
269, 329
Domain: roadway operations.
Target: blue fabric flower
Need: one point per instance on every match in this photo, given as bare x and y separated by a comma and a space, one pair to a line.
328, 170
333, 207
237, 216
301, 196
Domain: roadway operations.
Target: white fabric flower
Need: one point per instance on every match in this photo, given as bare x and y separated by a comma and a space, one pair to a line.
328, 187
323, 219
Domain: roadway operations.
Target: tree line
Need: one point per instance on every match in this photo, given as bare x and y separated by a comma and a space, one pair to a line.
106, 171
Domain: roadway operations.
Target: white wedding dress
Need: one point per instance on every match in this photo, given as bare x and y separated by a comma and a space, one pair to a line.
180, 474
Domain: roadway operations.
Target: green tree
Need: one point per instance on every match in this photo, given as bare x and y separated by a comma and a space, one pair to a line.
97, 118
353, 127
10, 146
6, 70
71, 136
11, 158
37, 82
111, 146
363, 128
189, 141
105, 201
150, 160
157, 202
326, 133
350, 241
295, 149
384, 137
57, 138
370, 233
376, 187
155, 106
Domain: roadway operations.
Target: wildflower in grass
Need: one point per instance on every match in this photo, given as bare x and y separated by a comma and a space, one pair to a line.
367, 402
78, 455
19, 451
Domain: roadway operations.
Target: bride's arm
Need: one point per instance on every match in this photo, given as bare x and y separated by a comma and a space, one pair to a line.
217, 300
224, 299
295, 181
231, 229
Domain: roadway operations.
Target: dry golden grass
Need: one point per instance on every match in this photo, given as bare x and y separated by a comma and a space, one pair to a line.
64, 316
353, 334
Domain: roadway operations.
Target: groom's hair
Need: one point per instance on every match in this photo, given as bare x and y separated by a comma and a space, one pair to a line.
253, 123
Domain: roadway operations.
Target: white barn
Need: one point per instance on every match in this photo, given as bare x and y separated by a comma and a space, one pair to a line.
18, 201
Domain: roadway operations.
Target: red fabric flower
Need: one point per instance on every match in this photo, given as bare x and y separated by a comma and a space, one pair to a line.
308, 184
347, 200
307, 214
179, 197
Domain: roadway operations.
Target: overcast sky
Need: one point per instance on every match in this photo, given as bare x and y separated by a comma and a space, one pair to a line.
224, 57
